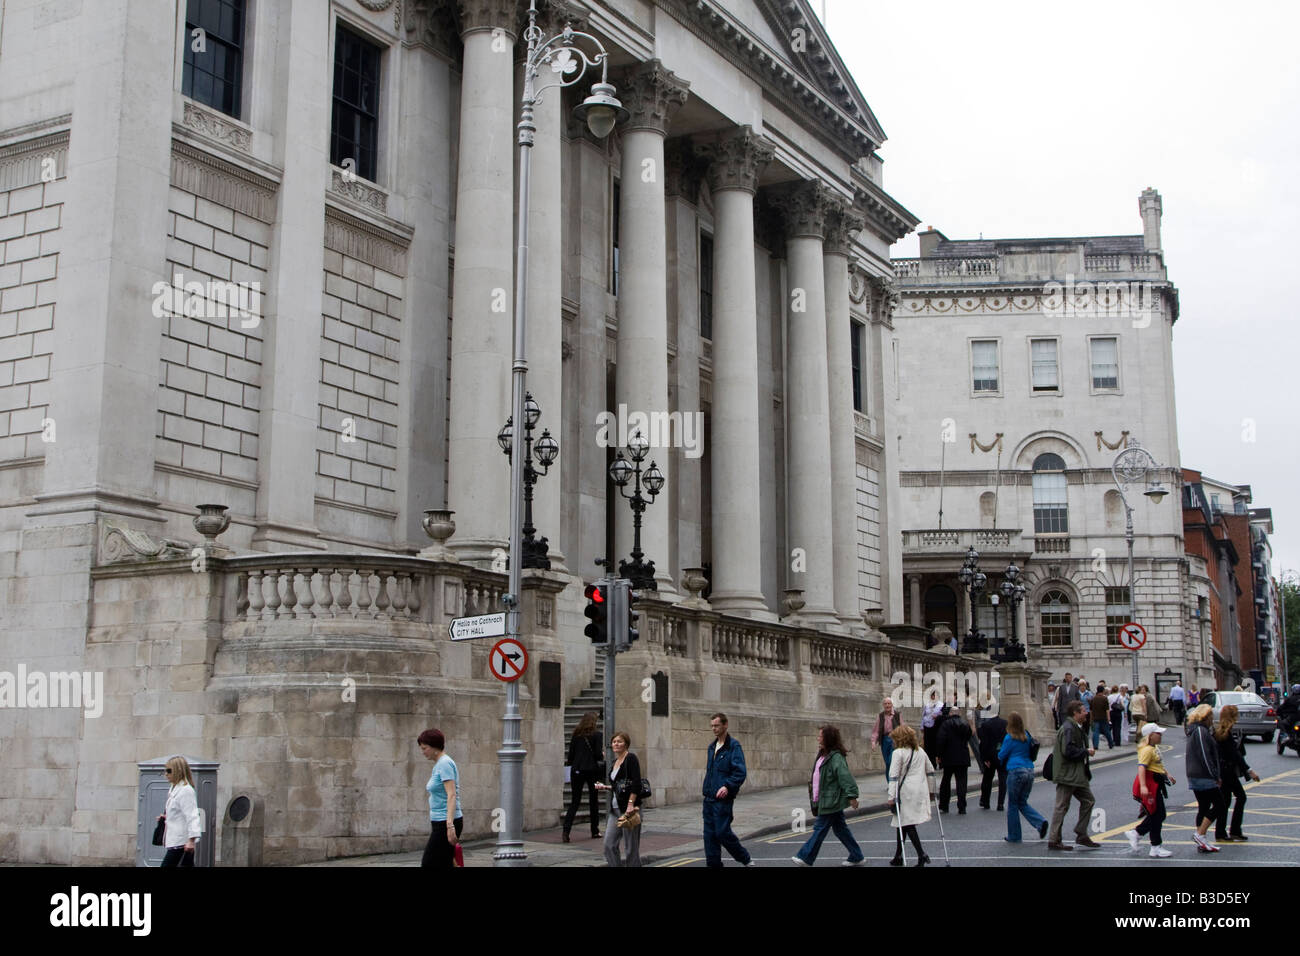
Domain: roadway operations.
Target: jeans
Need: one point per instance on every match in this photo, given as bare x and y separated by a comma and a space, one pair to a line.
1231, 787
825, 823
1152, 822
887, 750
1116, 725
986, 784
629, 838
438, 852
945, 788
178, 856
717, 833
578, 782
1064, 792
1019, 784
1101, 729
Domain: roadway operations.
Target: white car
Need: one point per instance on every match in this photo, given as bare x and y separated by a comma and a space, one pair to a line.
1255, 715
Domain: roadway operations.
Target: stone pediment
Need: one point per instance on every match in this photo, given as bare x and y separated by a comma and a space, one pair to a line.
783, 44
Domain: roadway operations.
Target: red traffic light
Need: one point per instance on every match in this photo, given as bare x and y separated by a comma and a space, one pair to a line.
594, 592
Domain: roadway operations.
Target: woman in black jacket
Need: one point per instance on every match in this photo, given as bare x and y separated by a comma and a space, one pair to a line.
586, 757
624, 823
1233, 766
1204, 774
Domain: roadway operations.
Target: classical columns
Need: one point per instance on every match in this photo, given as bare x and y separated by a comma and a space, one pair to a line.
807, 407
841, 223
482, 284
914, 593
651, 94
735, 443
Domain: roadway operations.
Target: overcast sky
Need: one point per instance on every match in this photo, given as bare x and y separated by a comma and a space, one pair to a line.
1014, 119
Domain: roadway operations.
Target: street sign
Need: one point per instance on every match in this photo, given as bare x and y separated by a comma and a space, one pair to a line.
1132, 635
483, 625
508, 660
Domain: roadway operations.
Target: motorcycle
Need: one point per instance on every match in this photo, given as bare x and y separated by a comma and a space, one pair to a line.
1288, 735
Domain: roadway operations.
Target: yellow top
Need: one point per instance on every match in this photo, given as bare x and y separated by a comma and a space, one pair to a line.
1149, 757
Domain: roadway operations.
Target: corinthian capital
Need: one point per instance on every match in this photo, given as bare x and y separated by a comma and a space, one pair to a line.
652, 94
842, 220
489, 15
737, 160
554, 15
430, 24
806, 208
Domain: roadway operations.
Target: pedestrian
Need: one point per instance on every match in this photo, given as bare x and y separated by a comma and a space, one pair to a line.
1137, 708
991, 733
1204, 775
832, 788
954, 758
931, 714
1017, 754
1100, 707
1066, 694
1052, 694
1178, 701
1119, 714
1152, 706
1071, 773
1085, 692
624, 823
886, 721
724, 773
446, 819
1193, 698
1150, 788
988, 710
586, 769
183, 827
909, 792
1233, 766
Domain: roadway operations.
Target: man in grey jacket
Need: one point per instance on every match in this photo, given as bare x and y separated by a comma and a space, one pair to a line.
1070, 773
1066, 694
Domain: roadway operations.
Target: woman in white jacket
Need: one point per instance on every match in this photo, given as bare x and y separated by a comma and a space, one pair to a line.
182, 814
909, 791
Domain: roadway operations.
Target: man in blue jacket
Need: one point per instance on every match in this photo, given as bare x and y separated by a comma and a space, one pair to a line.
724, 772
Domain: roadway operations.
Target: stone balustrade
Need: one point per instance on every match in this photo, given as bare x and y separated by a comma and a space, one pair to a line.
1122, 262
969, 267
950, 539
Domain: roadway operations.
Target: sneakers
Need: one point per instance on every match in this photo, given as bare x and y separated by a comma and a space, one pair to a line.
797, 861
1042, 830
1203, 845
1133, 837
1159, 852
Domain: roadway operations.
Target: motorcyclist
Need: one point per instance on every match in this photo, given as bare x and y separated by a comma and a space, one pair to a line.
1289, 712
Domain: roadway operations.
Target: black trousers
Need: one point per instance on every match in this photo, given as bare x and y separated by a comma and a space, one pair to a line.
1152, 821
1207, 805
578, 782
986, 784
945, 790
912, 835
178, 856
438, 852
1231, 788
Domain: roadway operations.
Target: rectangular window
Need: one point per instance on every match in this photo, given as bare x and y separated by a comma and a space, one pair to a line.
1042, 357
1117, 611
214, 53
706, 286
984, 366
613, 275
354, 130
1105, 362
856, 332
1051, 506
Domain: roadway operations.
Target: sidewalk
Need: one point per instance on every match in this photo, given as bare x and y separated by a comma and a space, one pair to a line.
674, 831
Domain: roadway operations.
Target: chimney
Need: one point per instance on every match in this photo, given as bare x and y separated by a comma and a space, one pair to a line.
930, 238
1150, 206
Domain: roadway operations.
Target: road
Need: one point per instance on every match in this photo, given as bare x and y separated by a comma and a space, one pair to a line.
1272, 822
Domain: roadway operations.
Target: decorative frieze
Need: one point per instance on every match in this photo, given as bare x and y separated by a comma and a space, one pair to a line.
1007, 304
215, 127
738, 160
349, 186
222, 182
360, 240
652, 93
32, 161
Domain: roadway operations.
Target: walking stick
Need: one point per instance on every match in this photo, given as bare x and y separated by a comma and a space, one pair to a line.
898, 815
934, 795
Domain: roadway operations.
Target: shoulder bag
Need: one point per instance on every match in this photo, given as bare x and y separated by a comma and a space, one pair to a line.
159, 831
1033, 746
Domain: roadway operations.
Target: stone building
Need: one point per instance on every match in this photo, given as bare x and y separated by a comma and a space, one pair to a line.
1026, 366
274, 273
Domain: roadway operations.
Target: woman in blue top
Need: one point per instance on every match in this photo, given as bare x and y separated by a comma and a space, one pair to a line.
445, 818
1014, 755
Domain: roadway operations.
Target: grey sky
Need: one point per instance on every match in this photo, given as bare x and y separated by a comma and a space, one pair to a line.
1034, 119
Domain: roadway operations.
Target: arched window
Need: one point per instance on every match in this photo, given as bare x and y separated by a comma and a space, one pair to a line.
1051, 506
1054, 624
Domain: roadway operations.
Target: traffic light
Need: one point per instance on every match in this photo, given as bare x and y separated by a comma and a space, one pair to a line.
632, 633
597, 613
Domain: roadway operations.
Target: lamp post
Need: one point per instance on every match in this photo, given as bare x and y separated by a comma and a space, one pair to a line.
974, 580
640, 573
1014, 592
1132, 465
546, 451
601, 110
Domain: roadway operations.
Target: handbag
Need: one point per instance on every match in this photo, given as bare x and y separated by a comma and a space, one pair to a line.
630, 820
459, 855
159, 831
1034, 747
646, 791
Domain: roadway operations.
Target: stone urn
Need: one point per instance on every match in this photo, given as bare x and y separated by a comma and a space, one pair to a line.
793, 601
874, 617
211, 521
439, 526
693, 582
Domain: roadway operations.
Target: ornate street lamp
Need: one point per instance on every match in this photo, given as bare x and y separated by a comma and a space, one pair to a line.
1135, 464
974, 580
640, 573
545, 452
1014, 592
567, 62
